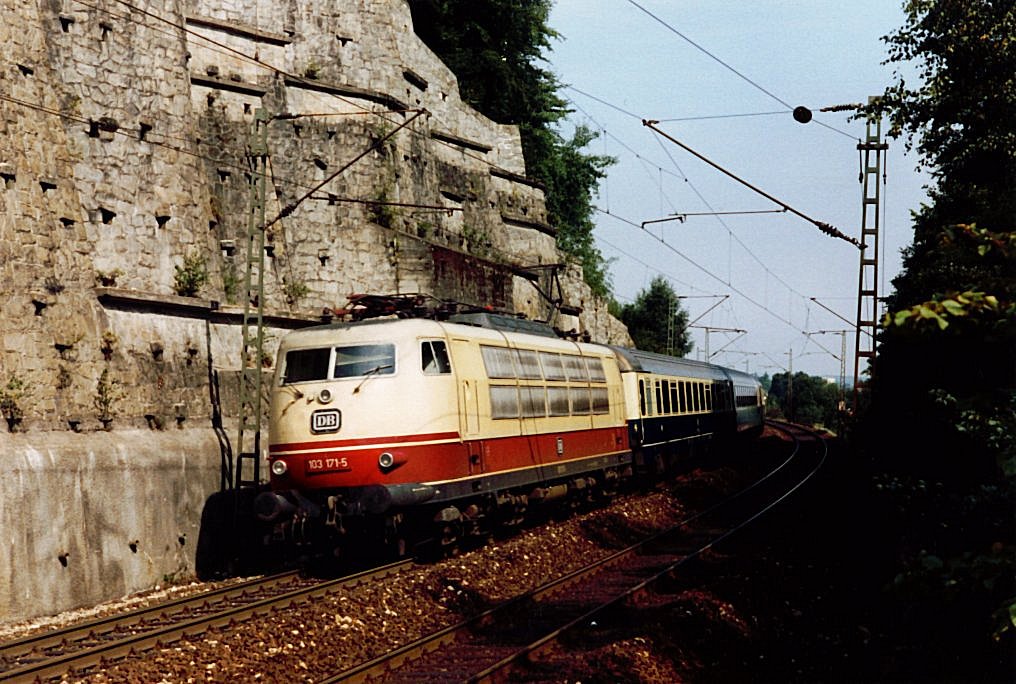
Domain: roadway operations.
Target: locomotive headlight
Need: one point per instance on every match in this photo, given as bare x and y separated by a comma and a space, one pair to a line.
325, 396
386, 460
279, 468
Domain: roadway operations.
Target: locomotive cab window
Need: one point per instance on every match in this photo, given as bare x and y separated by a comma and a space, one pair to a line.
364, 359
305, 365
434, 357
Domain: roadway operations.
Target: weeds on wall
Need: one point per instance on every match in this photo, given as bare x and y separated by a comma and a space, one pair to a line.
295, 291
107, 394
380, 210
230, 282
107, 345
107, 278
191, 276
53, 286
12, 395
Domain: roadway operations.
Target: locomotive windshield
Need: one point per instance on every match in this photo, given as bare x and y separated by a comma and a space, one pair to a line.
306, 365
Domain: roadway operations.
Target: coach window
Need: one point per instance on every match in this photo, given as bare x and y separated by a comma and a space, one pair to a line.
642, 397
434, 357
681, 396
596, 372
709, 397
673, 397
601, 401
666, 396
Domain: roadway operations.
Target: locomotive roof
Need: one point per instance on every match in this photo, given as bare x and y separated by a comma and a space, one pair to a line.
651, 362
538, 334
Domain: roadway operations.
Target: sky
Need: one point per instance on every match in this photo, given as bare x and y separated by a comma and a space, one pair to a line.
722, 77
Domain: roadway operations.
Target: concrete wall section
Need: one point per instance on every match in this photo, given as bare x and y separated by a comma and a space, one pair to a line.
88, 517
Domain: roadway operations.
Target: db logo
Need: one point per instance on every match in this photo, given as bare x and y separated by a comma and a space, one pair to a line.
328, 420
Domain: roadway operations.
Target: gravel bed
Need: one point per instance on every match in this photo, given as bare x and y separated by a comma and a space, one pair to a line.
323, 636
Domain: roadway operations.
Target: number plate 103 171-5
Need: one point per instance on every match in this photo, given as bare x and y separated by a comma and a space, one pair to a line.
328, 464
328, 420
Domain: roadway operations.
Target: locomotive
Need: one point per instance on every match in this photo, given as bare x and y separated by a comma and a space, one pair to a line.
408, 431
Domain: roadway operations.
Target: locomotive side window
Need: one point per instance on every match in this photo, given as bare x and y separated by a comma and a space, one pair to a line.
580, 401
498, 361
596, 372
642, 397
364, 359
534, 402
528, 364
434, 357
558, 399
553, 368
575, 366
303, 365
504, 401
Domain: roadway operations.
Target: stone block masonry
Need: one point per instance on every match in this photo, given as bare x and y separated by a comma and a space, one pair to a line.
125, 201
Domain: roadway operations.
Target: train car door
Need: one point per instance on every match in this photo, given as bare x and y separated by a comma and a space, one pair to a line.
468, 388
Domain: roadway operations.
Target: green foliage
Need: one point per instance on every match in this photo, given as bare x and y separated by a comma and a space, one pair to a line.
380, 210
495, 48
943, 406
191, 276
656, 316
946, 308
571, 177
295, 291
956, 297
814, 400
230, 282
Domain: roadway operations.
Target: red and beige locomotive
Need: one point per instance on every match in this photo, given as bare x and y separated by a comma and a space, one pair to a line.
415, 428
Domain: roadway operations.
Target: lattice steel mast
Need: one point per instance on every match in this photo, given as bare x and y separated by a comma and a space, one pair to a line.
247, 470
867, 286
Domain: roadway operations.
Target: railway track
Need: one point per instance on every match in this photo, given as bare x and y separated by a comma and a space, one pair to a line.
99, 642
507, 642
489, 647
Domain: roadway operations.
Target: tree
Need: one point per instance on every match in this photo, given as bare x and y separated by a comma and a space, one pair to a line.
495, 47
951, 328
943, 404
655, 317
571, 176
815, 400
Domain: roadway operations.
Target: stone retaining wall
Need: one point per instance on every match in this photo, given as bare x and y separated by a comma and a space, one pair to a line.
125, 172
